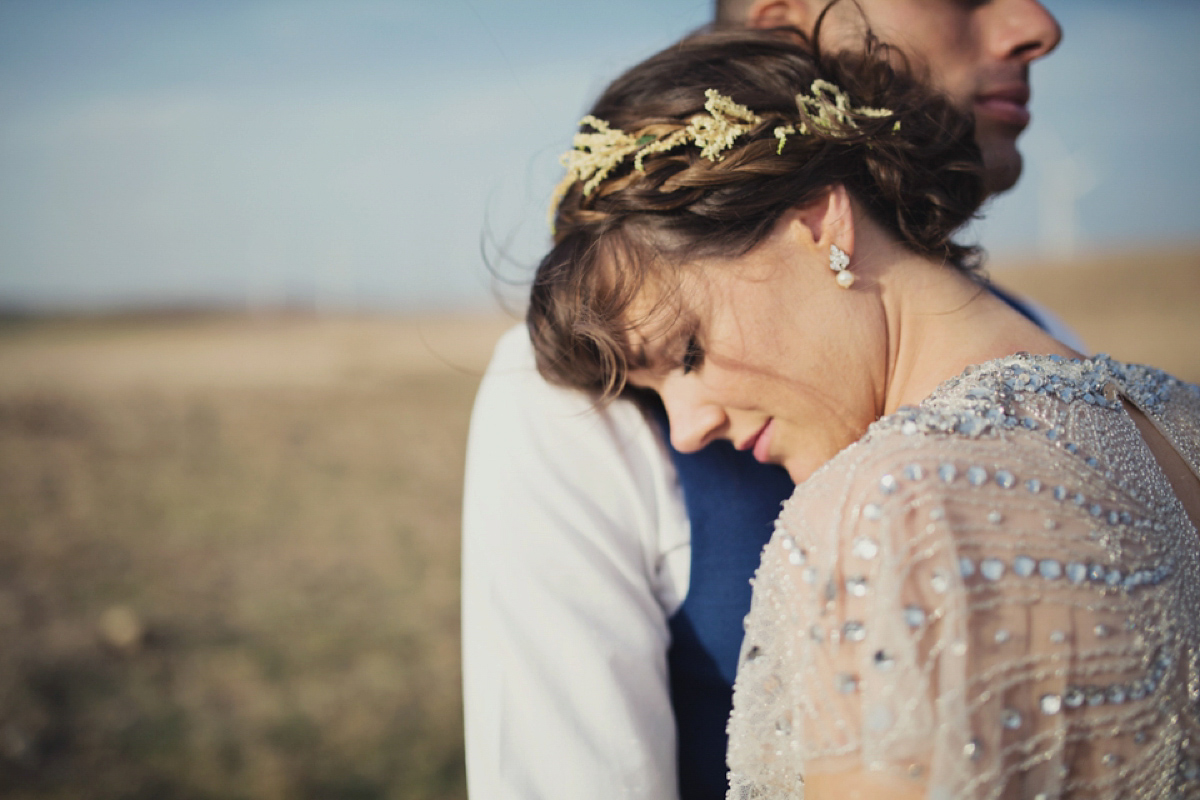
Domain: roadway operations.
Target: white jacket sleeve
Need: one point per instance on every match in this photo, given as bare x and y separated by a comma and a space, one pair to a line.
575, 552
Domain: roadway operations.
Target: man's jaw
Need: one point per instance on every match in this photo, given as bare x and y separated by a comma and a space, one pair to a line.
1000, 105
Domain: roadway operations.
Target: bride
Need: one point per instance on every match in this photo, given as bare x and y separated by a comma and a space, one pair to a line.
986, 582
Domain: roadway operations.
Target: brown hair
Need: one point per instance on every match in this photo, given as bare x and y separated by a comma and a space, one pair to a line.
921, 181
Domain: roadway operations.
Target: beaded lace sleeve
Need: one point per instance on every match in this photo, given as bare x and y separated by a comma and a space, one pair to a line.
1009, 614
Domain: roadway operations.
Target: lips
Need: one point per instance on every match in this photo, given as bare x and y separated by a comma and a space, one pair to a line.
760, 442
1007, 104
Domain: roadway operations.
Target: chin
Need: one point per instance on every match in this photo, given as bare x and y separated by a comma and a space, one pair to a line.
801, 469
1002, 167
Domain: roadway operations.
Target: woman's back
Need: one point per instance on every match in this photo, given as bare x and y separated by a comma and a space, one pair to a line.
992, 595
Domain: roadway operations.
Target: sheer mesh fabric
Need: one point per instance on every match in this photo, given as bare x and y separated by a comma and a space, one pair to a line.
993, 595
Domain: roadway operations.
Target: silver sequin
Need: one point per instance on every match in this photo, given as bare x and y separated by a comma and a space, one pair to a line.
992, 569
854, 631
865, 548
1050, 569
914, 616
939, 582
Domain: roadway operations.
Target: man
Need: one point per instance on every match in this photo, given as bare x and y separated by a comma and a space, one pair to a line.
605, 575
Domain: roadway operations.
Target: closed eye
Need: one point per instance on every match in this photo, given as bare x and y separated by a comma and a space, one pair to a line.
693, 355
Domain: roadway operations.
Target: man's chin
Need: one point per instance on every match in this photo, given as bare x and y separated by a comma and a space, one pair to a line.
1002, 168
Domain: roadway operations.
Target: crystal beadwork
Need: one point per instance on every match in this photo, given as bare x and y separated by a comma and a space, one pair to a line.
854, 631
914, 616
1050, 569
992, 569
865, 548
939, 582
1101, 559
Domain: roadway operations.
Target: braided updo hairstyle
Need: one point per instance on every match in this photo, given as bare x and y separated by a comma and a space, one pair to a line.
917, 173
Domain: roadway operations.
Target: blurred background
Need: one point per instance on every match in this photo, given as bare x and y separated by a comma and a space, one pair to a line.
253, 258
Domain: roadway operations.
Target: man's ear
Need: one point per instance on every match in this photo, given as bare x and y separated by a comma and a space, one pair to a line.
774, 13
829, 220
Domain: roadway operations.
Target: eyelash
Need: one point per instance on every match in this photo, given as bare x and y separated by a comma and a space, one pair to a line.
693, 355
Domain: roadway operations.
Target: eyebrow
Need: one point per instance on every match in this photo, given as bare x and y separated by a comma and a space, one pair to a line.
670, 348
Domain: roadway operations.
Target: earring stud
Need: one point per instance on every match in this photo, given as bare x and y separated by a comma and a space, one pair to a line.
839, 263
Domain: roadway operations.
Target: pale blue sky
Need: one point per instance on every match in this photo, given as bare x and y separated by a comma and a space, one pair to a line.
353, 152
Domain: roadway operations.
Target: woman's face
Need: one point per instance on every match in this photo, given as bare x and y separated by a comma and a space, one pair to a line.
765, 350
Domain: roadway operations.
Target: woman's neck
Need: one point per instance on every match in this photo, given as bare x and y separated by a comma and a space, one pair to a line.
940, 321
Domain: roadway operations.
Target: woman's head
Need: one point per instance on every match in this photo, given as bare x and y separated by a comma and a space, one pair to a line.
905, 157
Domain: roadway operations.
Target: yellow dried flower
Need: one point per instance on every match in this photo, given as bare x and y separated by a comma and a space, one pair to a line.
830, 111
597, 153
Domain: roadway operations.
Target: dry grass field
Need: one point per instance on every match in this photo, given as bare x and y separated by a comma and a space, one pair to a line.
229, 545
229, 556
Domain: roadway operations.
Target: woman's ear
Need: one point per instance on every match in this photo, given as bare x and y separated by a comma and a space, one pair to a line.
829, 220
775, 13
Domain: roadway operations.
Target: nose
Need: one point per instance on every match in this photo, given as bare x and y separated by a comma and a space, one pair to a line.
1025, 30
695, 422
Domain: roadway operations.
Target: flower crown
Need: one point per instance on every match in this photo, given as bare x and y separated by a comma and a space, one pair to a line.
596, 154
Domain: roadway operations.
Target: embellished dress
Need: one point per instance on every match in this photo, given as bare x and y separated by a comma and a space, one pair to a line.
996, 593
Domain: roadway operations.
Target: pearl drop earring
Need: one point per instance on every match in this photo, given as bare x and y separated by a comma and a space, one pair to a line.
838, 262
